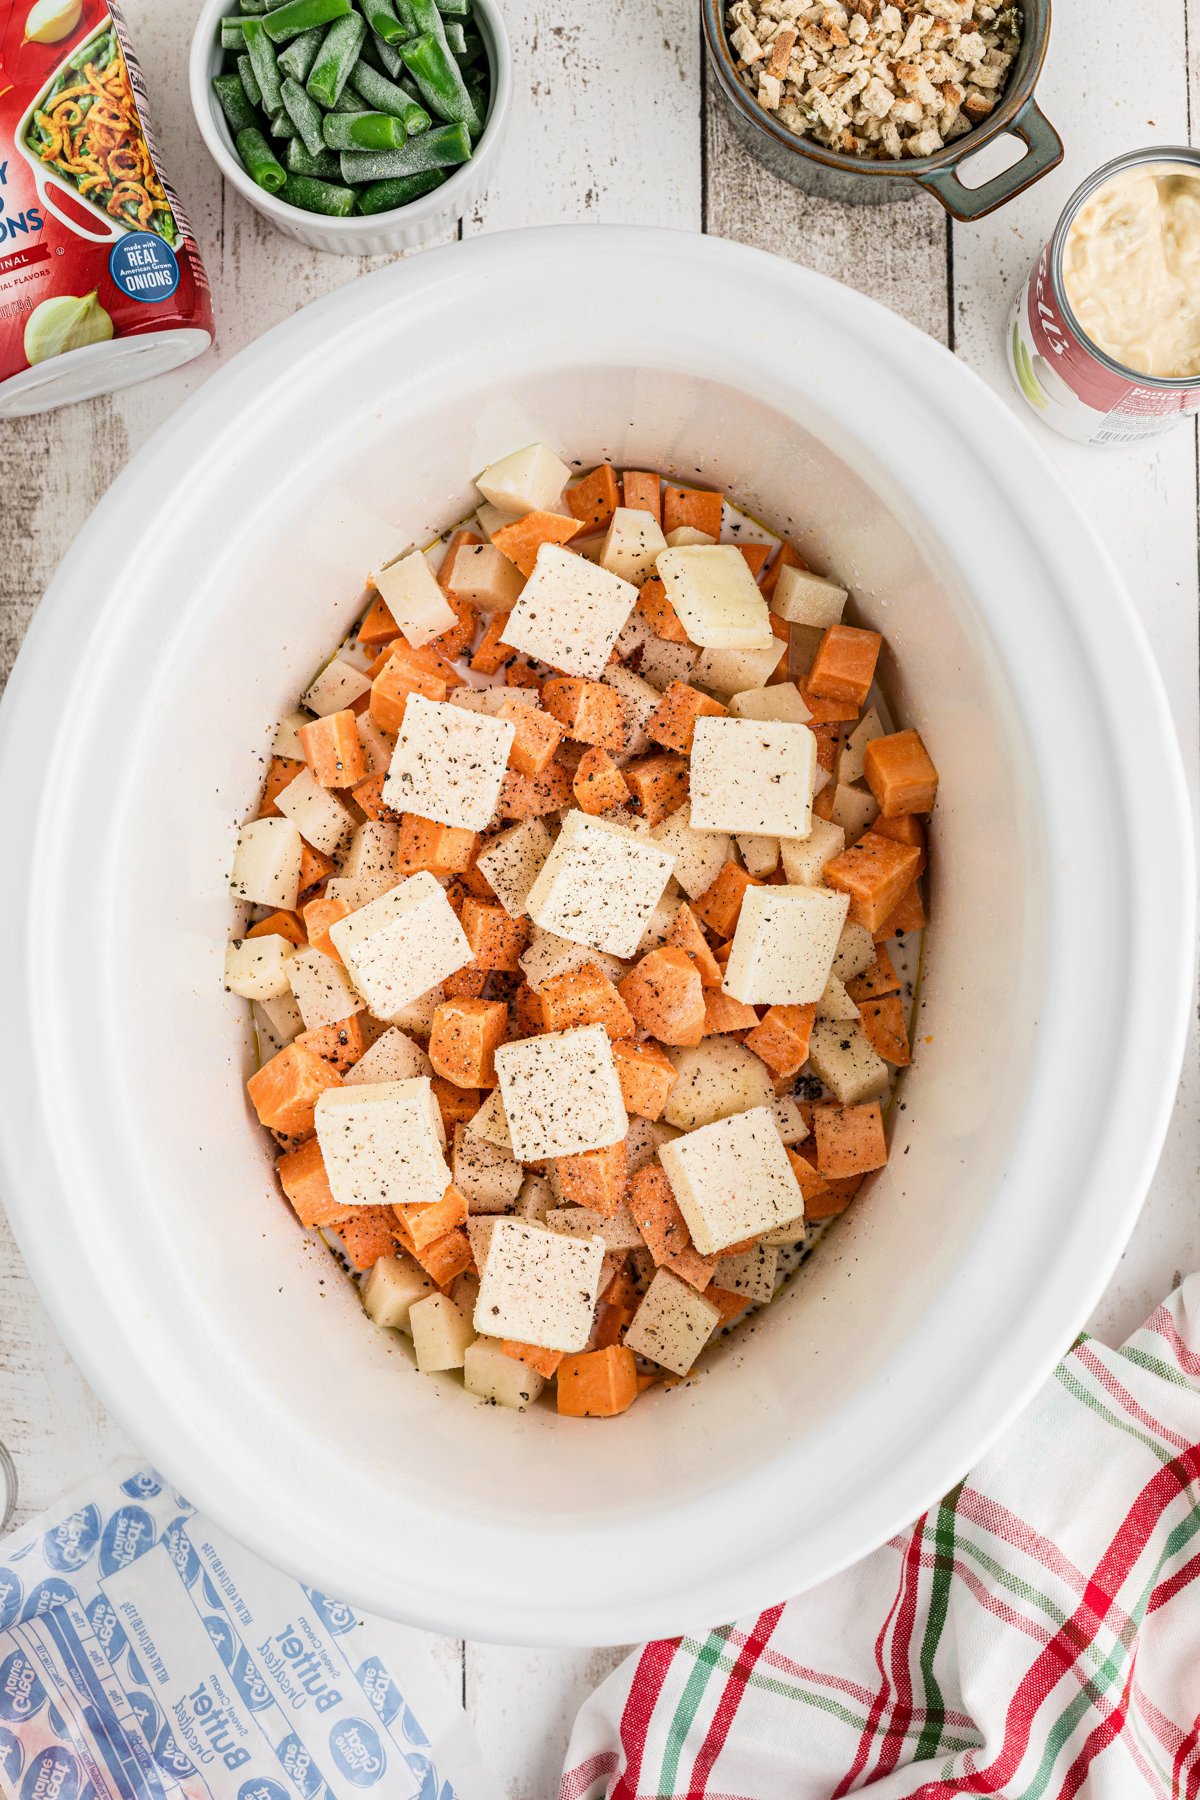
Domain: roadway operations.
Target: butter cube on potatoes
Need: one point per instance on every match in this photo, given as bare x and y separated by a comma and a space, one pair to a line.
561, 1093
600, 884
732, 1180
398, 946
448, 764
381, 1144
754, 776
570, 613
539, 1286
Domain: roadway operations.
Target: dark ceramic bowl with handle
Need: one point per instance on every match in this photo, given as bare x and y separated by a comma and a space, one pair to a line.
806, 164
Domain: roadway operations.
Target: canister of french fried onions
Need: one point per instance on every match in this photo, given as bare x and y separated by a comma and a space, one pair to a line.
101, 282
1104, 338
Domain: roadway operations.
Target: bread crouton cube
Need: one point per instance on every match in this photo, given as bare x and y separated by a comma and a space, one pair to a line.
672, 1324
539, 1286
732, 1180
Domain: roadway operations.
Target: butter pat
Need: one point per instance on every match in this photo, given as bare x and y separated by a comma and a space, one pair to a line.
539, 1286
398, 945
732, 1180
672, 1324
570, 613
784, 945
754, 776
716, 597
561, 1094
380, 1144
448, 764
599, 885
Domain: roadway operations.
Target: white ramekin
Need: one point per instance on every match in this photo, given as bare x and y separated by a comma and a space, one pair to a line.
409, 226
198, 601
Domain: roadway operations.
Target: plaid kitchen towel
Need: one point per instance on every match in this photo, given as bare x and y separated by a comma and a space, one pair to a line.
1037, 1634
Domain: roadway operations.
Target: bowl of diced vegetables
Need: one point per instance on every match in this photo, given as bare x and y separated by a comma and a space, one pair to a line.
357, 126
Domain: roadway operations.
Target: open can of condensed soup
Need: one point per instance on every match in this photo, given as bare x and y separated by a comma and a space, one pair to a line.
1104, 338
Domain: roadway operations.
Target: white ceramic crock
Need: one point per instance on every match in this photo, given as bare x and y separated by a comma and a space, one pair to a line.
193, 608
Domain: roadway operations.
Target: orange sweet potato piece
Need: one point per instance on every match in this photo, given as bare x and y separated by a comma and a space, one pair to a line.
445, 1258
844, 666
333, 749
722, 1013
496, 940
908, 916
597, 1179
666, 996
531, 796
881, 978
826, 711
900, 774
368, 1234
457, 1105
658, 612
643, 492
697, 507
830, 739
340, 1044
521, 673
285, 1090
315, 866
433, 1220
493, 653
597, 1384
440, 849
812, 1182
457, 639
657, 1216
279, 924
588, 711
659, 784
611, 1324
536, 737
686, 935
584, 996
598, 784
368, 794
542, 1362
595, 499
280, 771
319, 915
834, 1198
850, 1140
646, 1075
378, 625
876, 872
408, 671
786, 559
757, 557
730, 1302
886, 1029
673, 721
906, 828
522, 540
303, 1179
464, 1039
465, 984
719, 905
781, 1038
527, 1011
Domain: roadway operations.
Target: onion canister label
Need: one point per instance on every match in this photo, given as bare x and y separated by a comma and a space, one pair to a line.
95, 247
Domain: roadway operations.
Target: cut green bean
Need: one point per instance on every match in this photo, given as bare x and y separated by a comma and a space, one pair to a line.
336, 59
439, 80
253, 6
460, 9
239, 113
363, 131
281, 124
297, 60
348, 101
325, 166
473, 50
232, 35
479, 100
262, 165
384, 196
381, 17
383, 57
295, 16
305, 115
456, 41
427, 18
381, 95
439, 149
407, 17
262, 60
249, 81
318, 196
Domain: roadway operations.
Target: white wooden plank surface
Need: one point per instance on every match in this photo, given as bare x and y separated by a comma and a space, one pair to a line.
609, 124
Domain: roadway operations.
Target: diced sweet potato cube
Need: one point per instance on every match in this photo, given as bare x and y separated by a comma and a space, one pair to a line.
657, 1216
445, 1258
622, 1290
530, 796
612, 1322
521, 673
597, 1384
781, 1038
319, 915
368, 1234
464, 1039
588, 711
881, 978
659, 784
542, 1362
686, 935
527, 1011
433, 1220
536, 737
787, 559
368, 795
522, 540
465, 984
728, 1300
909, 915
719, 905
496, 940
584, 996
378, 626
457, 639
408, 671
833, 1199
285, 1090
646, 1075
876, 872
696, 507
441, 849
333, 749
457, 1105
757, 556
492, 653
595, 499
900, 774
340, 1044
886, 1029
643, 493
673, 721
826, 711
279, 924
315, 866
280, 771
906, 829
598, 784
812, 1182
825, 802
597, 1179
303, 1179
830, 739
850, 1140
666, 996
723, 1014
844, 666
658, 612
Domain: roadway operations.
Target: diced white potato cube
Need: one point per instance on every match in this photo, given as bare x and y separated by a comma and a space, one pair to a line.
464, 1291
479, 1228
732, 1180
634, 633
266, 864
789, 1120
276, 1022
416, 1016
716, 597
257, 967
786, 1237
338, 686
318, 815
489, 1178
699, 855
392, 1288
599, 884
370, 865
501, 1380
395, 946
760, 854
377, 749
733, 671
381, 1145
491, 699
850, 766
490, 1124
754, 776
783, 701
855, 809
753, 1273
672, 1323
485, 576
358, 655
784, 945
841, 1055
658, 925
688, 534
835, 1002
561, 1093
440, 1333
631, 544
513, 861
528, 480
409, 590
804, 858
640, 701
491, 519
539, 1286
535, 1199
645, 1136
392, 1057
287, 735
591, 548
570, 613
548, 955
619, 1233
323, 990
855, 951
448, 764
664, 662
716, 1078
806, 599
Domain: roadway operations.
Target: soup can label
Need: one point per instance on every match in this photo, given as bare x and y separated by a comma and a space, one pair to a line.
101, 280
